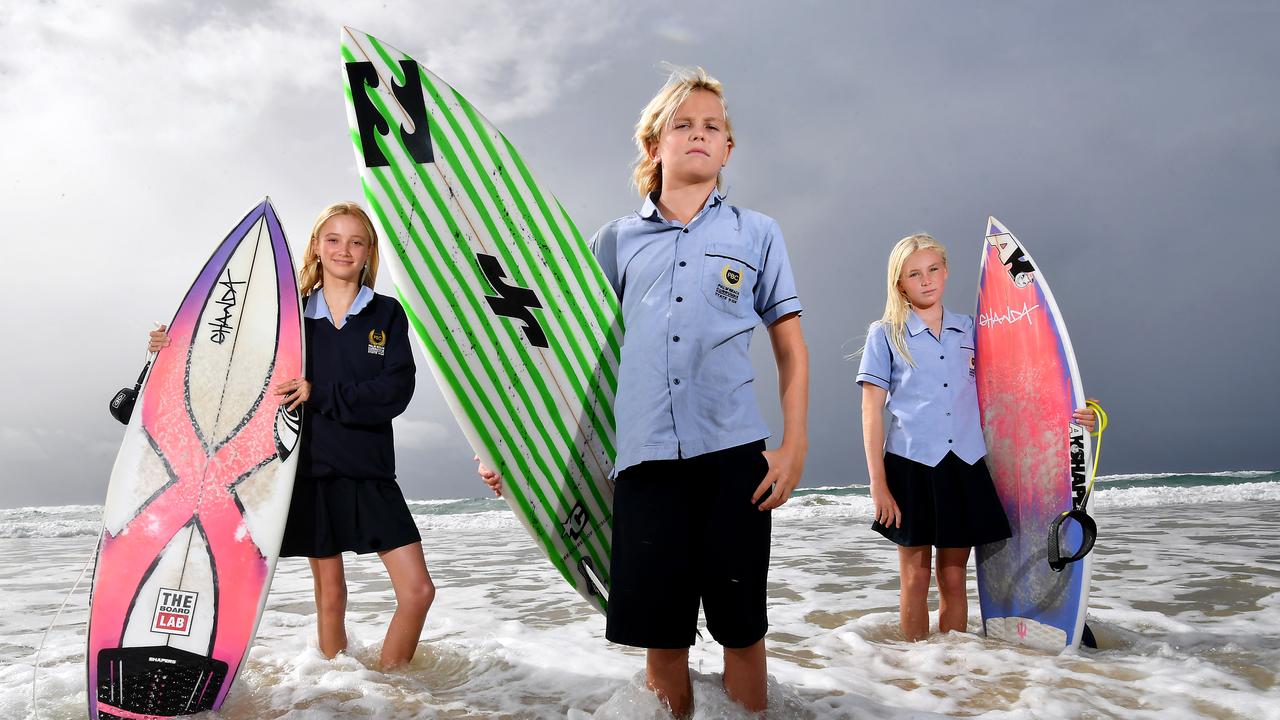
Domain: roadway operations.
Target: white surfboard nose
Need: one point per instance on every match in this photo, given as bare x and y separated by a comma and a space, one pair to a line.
995, 227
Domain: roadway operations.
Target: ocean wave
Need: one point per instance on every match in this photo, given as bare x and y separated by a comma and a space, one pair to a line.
1251, 475
455, 506
851, 501
1189, 495
51, 529
59, 521
828, 506
487, 520
860, 507
7, 513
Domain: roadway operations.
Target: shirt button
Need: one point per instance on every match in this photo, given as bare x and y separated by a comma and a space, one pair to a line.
679, 299
685, 230
682, 263
676, 381
948, 441
948, 414
675, 338
944, 384
942, 357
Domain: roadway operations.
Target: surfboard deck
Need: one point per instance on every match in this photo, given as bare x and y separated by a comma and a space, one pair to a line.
200, 490
518, 324
1028, 386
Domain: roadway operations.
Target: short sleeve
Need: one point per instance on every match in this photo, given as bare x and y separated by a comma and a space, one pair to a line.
877, 358
775, 291
604, 246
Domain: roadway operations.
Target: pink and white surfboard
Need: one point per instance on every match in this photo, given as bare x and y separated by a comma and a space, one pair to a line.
1028, 386
200, 490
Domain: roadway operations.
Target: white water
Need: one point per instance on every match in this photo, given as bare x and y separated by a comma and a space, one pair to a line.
1186, 607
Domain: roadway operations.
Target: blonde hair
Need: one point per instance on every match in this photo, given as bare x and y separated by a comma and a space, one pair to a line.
311, 276
657, 116
896, 305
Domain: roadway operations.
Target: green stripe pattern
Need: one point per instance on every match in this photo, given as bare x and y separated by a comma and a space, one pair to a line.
543, 416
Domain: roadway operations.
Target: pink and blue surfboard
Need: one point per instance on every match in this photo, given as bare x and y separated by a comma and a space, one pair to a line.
196, 507
1028, 386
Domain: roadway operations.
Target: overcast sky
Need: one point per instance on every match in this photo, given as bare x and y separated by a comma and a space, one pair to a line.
1133, 147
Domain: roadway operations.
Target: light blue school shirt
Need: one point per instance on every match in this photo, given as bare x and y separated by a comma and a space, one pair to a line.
933, 406
691, 297
318, 309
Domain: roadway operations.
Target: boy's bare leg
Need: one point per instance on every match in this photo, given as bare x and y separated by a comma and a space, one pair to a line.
744, 676
668, 676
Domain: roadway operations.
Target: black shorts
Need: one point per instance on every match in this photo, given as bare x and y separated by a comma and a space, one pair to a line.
951, 505
686, 531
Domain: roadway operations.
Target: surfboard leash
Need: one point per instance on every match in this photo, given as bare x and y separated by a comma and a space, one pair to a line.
1078, 512
35, 670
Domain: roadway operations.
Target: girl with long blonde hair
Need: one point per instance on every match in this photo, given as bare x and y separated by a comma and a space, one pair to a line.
359, 375
929, 482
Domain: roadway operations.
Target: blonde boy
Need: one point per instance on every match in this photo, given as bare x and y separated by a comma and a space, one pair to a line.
695, 276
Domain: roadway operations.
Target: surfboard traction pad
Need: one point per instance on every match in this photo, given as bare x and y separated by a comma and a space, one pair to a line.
1025, 631
157, 681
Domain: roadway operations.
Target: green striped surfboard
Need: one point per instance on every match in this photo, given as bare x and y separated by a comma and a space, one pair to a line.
520, 327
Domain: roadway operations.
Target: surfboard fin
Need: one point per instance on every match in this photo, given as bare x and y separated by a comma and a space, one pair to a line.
594, 585
1087, 639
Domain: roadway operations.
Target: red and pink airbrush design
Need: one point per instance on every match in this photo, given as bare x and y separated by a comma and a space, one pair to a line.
208, 418
1027, 385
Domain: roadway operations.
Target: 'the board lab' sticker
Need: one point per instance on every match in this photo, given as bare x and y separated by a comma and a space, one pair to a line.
174, 612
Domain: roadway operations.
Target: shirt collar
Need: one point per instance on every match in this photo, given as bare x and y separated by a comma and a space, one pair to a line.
318, 309
950, 321
915, 325
649, 210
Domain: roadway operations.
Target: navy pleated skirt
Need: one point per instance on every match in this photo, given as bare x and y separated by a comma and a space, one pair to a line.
332, 515
951, 505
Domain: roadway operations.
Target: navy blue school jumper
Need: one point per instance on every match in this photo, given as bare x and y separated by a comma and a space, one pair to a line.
345, 497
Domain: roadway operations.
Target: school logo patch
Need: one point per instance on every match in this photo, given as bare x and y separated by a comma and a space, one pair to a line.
175, 609
377, 342
730, 282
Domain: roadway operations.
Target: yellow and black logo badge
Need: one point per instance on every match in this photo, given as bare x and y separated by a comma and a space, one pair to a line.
730, 281
377, 342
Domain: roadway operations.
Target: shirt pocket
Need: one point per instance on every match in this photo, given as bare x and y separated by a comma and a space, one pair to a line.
728, 281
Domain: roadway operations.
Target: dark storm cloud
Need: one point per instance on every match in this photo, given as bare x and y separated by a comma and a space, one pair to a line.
1132, 147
